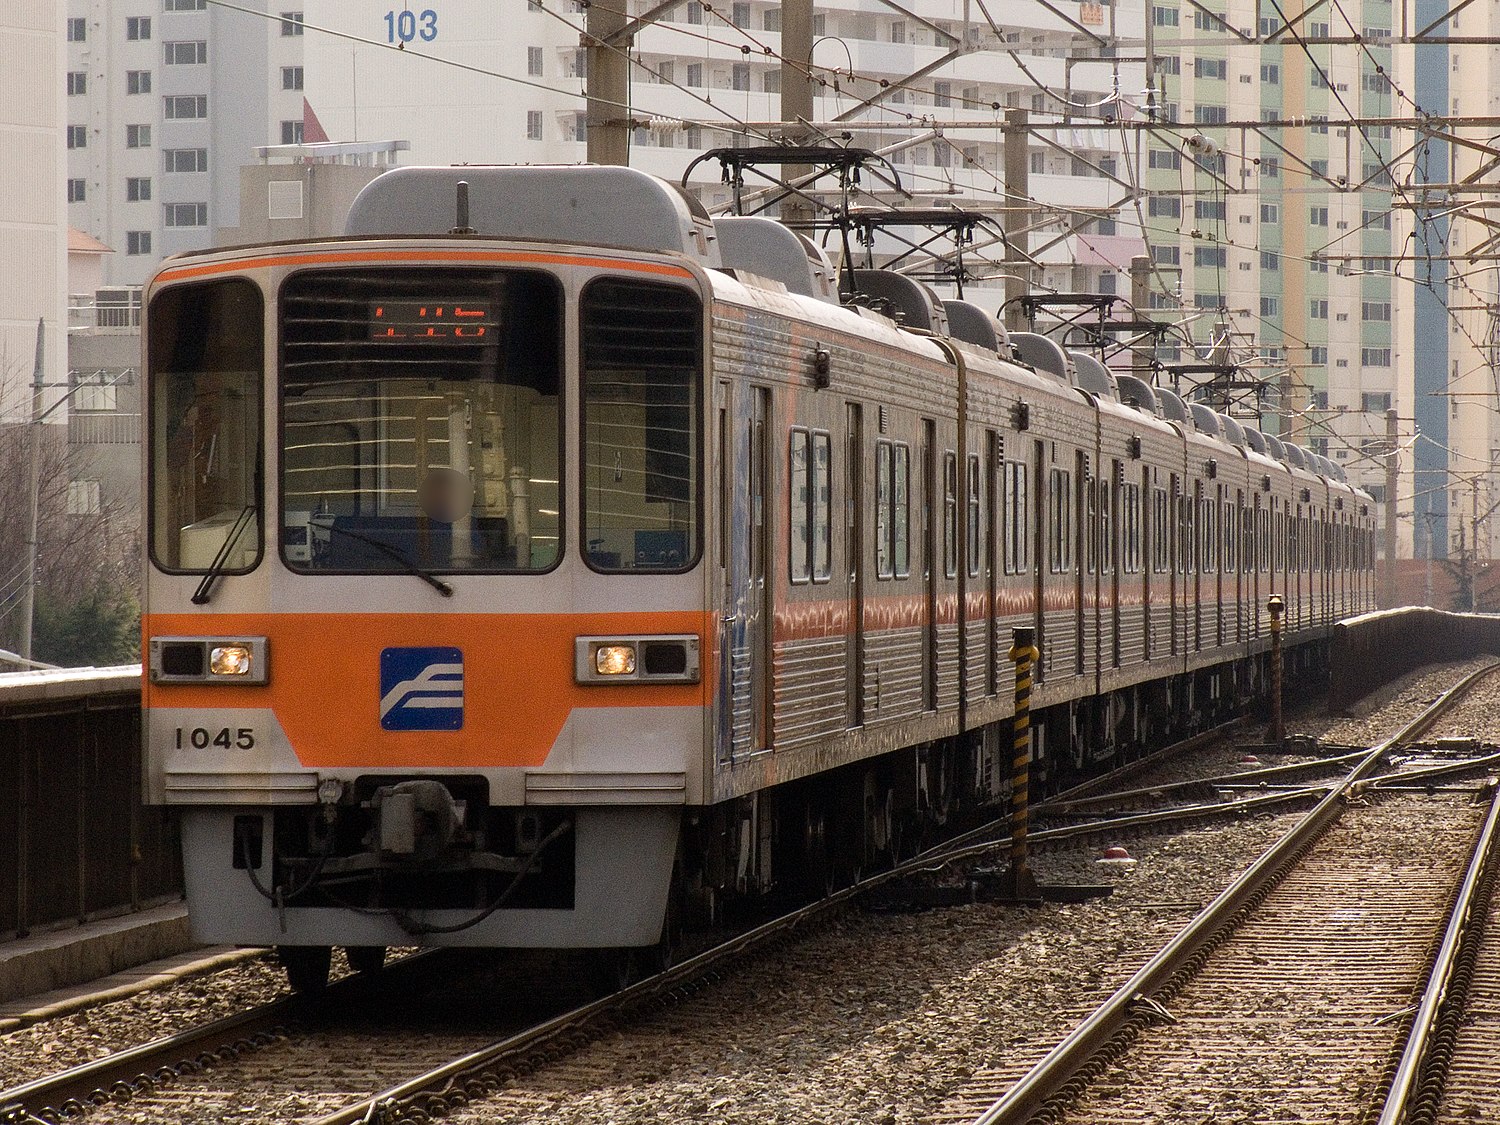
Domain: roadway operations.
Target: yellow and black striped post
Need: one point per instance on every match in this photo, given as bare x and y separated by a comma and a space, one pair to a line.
1023, 653
1277, 733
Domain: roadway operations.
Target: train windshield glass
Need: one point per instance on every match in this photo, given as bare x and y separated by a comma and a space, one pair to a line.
640, 346
420, 420
205, 360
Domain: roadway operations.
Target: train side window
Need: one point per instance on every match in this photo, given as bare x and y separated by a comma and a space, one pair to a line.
810, 526
1060, 522
976, 553
822, 505
1090, 489
1207, 537
205, 366
1130, 528
1161, 542
892, 513
1227, 527
641, 359
1106, 526
950, 515
799, 524
1017, 518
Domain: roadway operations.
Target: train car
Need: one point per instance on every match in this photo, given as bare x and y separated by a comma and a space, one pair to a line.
544, 563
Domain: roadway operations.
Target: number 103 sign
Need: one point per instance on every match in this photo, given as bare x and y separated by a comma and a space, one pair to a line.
406, 26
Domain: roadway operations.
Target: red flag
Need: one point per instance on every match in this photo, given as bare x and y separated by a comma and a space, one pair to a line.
312, 129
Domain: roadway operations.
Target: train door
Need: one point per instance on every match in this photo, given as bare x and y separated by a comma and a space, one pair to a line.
1175, 570
854, 555
758, 610
1116, 545
730, 575
1038, 533
929, 459
994, 476
1085, 594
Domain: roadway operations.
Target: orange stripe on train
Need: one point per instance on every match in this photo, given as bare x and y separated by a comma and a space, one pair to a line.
519, 685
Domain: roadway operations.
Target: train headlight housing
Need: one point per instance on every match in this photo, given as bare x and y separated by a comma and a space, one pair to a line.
669, 659
208, 660
231, 660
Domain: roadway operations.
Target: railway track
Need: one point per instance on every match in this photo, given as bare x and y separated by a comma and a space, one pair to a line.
1291, 995
324, 1070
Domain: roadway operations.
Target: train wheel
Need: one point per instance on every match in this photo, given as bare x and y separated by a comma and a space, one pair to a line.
306, 966
365, 958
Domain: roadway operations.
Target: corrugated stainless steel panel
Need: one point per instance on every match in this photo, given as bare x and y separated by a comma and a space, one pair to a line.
810, 690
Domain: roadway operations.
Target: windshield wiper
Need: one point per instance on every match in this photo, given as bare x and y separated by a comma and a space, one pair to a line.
220, 564
393, 553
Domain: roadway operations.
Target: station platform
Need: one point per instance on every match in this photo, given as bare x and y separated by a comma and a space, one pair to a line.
49, 974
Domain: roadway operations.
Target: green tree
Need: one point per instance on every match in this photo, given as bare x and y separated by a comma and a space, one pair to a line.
99, 629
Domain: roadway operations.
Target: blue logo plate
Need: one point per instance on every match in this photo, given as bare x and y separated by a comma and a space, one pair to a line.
421, 689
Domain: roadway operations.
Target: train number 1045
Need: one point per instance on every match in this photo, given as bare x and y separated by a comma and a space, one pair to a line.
228, 738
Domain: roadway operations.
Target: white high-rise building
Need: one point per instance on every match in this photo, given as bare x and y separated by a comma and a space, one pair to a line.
33, 223
166, 99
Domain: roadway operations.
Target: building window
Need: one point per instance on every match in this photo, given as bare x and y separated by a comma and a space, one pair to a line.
1166, 255
185, 107
77, 191
1375, 357
1270, 167
1210, 257
1211, 68
291, 23
1164, 158
291, 132
83, 498
1209, 209
291, 78
137, 189
78, 83
534, 61
1210, 114
138, 27
533, 124
1318, 356
1317, 308
95, 391
137, 136
78, 136
1373, 402
185, 215
1270, 74
184, 159
137, 81
185, 52
1270, 260
740, 76
186, 5
1270, 213
78, 30
1270, 306
1374, 310
1317, 216
1159, 207
1164, 17
695, 75
138, 242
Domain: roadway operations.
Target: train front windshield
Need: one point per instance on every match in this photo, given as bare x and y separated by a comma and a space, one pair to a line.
421, 420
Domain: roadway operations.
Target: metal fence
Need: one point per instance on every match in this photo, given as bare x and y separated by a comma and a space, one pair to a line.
76, 843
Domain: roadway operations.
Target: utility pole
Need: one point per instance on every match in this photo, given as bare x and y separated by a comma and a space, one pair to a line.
1140, 299
1392, 464
28, 595
1017, 217
797, 99
607, 124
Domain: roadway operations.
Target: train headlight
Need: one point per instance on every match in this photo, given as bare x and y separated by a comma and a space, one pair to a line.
231, 660
615, 660
670, 659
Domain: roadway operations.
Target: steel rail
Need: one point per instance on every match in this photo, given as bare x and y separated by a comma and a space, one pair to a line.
123, 1074
1039, 1084
1408, 1087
